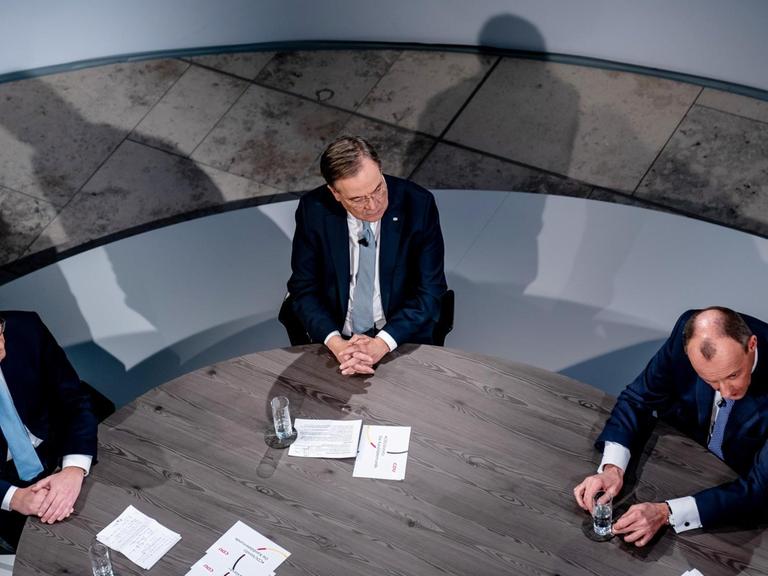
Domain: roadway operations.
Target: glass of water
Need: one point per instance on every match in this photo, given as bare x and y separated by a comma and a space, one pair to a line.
281, 416
602, 513
100, 562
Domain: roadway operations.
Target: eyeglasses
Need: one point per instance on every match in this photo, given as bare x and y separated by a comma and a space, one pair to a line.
375, 196
2, 326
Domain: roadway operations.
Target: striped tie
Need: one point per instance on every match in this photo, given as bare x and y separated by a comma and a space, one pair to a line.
362, 303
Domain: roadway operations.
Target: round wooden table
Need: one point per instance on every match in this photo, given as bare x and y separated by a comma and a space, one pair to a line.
495, 451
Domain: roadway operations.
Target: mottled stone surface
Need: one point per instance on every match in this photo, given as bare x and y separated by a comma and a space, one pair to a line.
244, 64
188, 112
339, 77
400, 150
271, 137
55, 131
597, 126
424, 90
22, 219
715, 166
453, 167
139, 185
734, 103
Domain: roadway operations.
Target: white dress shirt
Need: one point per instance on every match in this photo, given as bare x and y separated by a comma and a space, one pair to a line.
80, 460
685, 513
355, 228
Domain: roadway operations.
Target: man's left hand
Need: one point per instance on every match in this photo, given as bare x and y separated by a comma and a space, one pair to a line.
641, 522
63, 489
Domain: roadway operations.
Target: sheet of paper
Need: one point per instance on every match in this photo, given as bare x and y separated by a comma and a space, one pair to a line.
240, 551
692, 572
383, 452
143, 540
326, 438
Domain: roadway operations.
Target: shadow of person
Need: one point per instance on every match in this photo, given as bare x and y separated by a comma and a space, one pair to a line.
315, 390
105, 187
513, 80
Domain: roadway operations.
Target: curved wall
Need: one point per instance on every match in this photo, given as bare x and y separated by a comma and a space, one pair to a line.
713, 39
586, 288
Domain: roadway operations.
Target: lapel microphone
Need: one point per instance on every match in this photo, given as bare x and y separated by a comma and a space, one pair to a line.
362, 241
721, 403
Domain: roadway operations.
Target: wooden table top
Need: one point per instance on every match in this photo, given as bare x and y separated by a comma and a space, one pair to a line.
496, 449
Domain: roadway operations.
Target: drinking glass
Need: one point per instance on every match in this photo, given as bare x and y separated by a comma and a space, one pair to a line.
281, 416
100, 562
602, 513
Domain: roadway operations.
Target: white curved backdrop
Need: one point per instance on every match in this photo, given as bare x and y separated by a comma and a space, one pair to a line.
710, 38
578, 286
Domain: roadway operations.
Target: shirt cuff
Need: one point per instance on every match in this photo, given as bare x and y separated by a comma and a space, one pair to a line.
80, 460
6, 505
685, 514
331, 335
615, 454
388, 339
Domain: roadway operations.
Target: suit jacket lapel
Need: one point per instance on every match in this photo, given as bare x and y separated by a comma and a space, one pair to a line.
338, 239
705, 396
391, 228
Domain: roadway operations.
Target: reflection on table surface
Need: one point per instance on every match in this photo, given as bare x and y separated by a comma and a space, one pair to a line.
495, 451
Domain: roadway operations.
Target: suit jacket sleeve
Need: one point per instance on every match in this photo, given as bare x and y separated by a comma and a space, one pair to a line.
414, 317
73, 422
305, 284
739, 501
654, 390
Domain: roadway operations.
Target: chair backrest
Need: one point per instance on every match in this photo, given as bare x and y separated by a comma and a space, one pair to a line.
103, 407
445, 321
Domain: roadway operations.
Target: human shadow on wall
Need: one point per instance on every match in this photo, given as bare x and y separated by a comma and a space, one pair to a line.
126, 184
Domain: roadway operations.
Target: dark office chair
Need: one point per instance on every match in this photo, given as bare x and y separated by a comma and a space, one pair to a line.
102, 406
298, 335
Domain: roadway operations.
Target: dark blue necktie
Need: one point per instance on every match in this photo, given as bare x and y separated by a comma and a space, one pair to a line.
23, 453
718, 430
362, 303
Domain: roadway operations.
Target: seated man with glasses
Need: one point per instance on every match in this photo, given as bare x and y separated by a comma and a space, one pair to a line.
47, 427
367, 260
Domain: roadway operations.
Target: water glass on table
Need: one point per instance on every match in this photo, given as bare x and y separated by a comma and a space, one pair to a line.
100, 562
602, 514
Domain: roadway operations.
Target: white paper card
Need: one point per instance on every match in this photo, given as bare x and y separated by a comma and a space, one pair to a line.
326, 438
143, 540
383, 452
692, 572
241, 551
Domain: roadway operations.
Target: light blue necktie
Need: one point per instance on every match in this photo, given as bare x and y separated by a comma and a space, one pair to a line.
718, 430
23, 453
362, 303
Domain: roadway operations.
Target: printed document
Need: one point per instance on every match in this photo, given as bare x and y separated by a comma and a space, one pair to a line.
140, 538
326, 438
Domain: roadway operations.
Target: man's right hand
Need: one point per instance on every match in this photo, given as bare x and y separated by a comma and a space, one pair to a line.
610, 481
349, 357
26, 502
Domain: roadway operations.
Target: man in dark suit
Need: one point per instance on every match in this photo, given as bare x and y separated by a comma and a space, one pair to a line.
710, 380
367, 260
47, 422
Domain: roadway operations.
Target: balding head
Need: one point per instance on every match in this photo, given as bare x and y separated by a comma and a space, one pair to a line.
708, 326
721, 348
